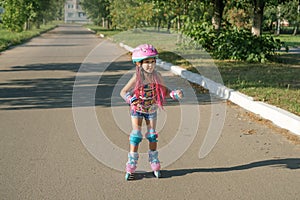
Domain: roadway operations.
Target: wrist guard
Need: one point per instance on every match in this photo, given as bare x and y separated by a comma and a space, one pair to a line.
129, 99
174, 95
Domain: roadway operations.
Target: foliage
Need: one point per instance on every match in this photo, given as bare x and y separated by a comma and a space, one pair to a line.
234, 44
270, 17
237, 44
203, 33
97, 10
238, 17
291, 12
128, 14
18, 13
51, 10
14, 15
282, 10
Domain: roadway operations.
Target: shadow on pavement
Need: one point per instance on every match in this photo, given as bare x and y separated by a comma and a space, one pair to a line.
289, 163
57, 92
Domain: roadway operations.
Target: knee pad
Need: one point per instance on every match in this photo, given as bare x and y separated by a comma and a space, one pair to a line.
151, 135
135, 137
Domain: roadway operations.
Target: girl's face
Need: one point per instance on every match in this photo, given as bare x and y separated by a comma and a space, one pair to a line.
148, 65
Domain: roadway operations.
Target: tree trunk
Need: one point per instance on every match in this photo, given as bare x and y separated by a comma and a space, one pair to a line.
179, 36
297, 23
38, 25
178, 23
158, 25
218, 13
258, 13
27, 25
169, 26
278, 23
296, 29
277, 27
108, 23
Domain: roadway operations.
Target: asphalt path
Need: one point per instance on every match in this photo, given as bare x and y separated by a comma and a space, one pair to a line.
64, 132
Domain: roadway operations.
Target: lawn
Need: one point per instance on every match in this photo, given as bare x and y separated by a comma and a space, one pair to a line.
273, 83
290, 40
8, 38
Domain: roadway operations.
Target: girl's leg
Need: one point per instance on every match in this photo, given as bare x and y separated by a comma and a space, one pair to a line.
151, 126
153, 154
135, 138
136, 126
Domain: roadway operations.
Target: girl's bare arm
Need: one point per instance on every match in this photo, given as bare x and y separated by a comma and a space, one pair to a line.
128, 87
179, 93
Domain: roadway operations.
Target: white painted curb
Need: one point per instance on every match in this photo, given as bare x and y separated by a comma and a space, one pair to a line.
94, 32
278, 116
91, 30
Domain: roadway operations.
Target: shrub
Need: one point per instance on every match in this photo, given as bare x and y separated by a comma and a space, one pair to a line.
234, 44
237, 44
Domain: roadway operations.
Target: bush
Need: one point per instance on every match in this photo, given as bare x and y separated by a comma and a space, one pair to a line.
202, 33
234, 44
237, 44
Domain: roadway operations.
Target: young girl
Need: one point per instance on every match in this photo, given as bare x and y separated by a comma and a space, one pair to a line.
145, 92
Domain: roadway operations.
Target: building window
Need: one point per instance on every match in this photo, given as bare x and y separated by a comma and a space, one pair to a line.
81, 14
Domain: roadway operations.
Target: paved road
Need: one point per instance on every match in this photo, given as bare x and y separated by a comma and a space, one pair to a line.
50, 147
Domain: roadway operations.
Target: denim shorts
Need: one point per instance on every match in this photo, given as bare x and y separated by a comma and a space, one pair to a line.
147, 116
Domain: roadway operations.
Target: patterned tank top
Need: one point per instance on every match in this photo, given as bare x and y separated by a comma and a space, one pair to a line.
146, 100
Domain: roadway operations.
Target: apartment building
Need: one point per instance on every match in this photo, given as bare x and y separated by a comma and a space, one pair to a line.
74, 12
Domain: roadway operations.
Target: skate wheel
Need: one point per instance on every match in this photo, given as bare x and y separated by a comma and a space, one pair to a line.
128, 176
157, 174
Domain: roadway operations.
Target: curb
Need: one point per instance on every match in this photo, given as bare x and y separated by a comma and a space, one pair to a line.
278, 116
94, 32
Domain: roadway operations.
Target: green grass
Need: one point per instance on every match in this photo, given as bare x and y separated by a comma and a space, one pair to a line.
273, 83
290, 40
162, 40
8, 38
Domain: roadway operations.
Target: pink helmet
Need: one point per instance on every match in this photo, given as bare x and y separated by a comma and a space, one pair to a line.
142, 52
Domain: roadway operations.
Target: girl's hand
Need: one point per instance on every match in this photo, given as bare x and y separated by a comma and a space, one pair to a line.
176, 94
179, 93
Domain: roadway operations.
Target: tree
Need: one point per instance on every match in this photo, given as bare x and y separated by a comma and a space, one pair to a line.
127, 14
20, 14
219, 6
258, 12
163, 13
270, 16
50, 10
277, 10
97, 10
14, 16
291, 12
